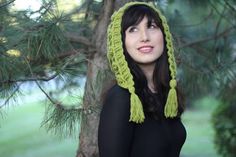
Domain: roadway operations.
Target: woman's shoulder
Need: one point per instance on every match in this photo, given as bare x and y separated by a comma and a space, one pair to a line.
117, 91
117, 98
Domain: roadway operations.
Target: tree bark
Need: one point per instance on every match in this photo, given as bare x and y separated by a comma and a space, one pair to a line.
98, 76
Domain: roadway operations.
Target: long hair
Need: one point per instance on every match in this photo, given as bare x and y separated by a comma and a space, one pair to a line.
153, 103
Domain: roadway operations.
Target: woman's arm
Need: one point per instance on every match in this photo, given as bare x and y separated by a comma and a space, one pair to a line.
115, 131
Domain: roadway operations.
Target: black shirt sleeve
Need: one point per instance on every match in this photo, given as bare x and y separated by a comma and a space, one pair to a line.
115, 131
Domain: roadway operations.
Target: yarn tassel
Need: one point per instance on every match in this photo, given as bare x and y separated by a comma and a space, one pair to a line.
136, 109
171, 107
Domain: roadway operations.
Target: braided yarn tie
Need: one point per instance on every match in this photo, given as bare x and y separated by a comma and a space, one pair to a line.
171, 106
136, 108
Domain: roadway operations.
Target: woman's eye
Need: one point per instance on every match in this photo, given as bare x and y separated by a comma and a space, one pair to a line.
153, 25
132, 29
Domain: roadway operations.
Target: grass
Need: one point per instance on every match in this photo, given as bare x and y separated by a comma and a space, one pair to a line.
22, 136
199, 142
200, 132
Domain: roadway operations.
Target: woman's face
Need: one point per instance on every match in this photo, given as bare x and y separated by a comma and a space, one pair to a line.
144, 42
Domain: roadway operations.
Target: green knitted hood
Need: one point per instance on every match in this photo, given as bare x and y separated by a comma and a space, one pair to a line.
120, 68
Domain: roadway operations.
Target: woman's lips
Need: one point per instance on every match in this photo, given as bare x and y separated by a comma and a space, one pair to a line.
145, 49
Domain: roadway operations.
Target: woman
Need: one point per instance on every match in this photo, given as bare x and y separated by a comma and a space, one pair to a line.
141, 113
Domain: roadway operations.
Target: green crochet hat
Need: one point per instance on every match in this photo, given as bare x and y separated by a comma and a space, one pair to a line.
122, 72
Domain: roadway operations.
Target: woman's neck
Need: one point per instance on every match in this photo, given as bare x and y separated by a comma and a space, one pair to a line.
148, 72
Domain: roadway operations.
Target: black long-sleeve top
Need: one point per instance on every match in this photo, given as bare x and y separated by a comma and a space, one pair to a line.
117, 137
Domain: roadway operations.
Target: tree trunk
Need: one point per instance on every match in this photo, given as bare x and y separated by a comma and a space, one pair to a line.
98, 76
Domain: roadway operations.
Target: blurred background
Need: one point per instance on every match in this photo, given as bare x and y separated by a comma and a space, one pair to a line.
52, 63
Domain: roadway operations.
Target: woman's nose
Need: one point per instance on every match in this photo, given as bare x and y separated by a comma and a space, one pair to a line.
144, 36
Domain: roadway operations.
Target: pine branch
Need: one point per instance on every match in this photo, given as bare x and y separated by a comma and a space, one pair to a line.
57, 104
45, 93
70, 53
87, 11
36, 81
230, 6
87, 2
78, 39
204, 19
218, 12
218, 27
6, 4
47, 9
62, 121
202, 51
12, 95
59, 118
67, 54
192, 68
31, 79
213, 37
